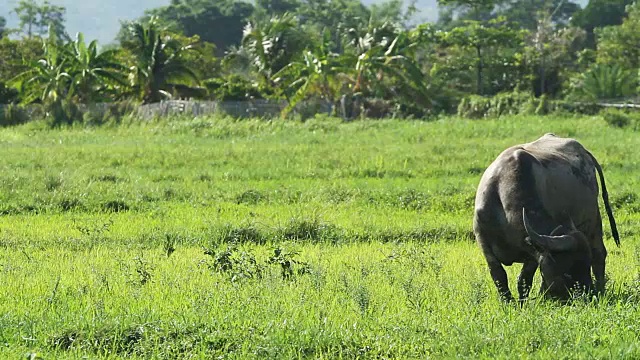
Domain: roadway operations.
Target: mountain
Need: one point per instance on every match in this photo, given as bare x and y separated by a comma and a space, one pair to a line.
100, 19
97, 19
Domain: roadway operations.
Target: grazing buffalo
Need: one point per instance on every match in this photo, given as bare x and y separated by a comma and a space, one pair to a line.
537, 204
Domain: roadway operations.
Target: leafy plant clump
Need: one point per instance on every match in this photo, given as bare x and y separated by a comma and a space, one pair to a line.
241, 264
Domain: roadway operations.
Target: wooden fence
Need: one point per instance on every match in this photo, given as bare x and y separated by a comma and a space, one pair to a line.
237, 109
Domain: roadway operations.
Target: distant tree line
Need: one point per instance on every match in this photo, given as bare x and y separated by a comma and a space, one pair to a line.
338, 51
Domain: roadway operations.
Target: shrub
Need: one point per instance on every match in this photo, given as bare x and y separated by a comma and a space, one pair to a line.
236, 88
12, 114
236, 263
310, 108
115, 206
585, 108
620, 118
310, 229
8, 94
240, 234
250, 197
99, 114
475, 106
602, 82
63, 112
616, 118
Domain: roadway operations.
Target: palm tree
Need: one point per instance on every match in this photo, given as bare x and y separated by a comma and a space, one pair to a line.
92, 73
159, 66
269, 47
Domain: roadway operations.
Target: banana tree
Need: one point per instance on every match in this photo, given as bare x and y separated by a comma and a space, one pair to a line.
46, 80
385, 66
317, 74
92, 73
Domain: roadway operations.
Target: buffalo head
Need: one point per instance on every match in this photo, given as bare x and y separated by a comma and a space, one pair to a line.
564, 258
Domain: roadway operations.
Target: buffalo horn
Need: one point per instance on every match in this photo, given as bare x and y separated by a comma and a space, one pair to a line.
548, 242
573, 226
535, 237
557, 230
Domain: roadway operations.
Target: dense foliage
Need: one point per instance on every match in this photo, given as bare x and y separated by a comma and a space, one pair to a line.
337, 51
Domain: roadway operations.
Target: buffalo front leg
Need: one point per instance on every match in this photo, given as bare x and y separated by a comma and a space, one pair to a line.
525, 279
499, 277
598, 266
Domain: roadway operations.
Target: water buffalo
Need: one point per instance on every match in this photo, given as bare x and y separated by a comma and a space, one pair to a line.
537, 204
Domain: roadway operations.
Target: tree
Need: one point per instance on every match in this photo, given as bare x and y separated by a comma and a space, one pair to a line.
203, 61
268, 8
27, 11
372, 51
620, 44
480, 39
74, 72
552, 54
598, 14
527, 13
520, 13
392, 11
3, 24
36, 19
454, 12
382, 64
52, 16
335, 15
160, 67
216, 22
15, 54
270, 46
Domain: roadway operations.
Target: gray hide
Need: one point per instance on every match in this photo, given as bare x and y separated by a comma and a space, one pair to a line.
554, 179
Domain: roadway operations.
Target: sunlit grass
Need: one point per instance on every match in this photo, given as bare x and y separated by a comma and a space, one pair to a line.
209, 237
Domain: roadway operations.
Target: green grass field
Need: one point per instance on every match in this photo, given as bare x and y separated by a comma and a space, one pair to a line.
210, 238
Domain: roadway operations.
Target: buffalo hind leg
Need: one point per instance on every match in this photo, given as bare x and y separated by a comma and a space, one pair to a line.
525, 279
499, 277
